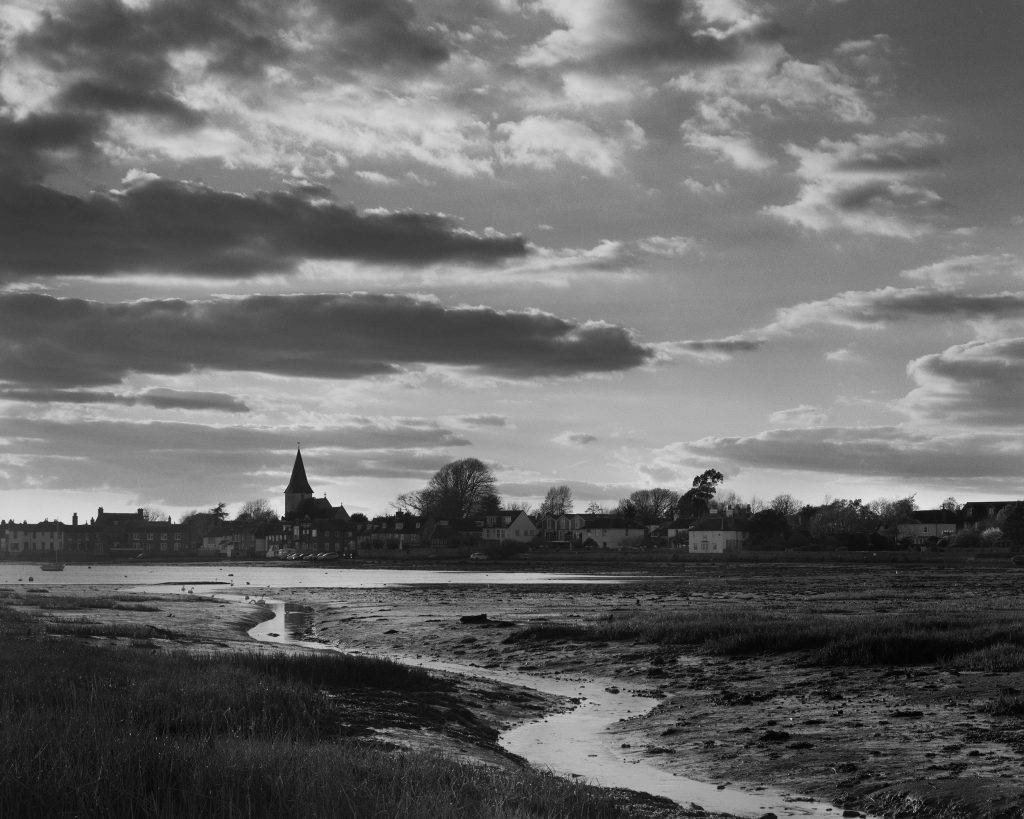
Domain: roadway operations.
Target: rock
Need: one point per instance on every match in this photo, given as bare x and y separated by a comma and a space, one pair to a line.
473, 618
851, 813
769, 816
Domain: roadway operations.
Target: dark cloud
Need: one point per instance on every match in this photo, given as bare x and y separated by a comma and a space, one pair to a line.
887, 452
159, 398
978, 384
157, 225
90, 95
724, 346
28, 144
194, 465
483, 420
46, 341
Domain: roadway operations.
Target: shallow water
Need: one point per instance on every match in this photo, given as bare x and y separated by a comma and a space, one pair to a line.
329, 576
577, 743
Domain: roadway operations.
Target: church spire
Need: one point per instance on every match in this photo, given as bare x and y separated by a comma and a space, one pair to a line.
298, 488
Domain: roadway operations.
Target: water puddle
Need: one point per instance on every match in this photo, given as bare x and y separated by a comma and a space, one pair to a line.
576, 743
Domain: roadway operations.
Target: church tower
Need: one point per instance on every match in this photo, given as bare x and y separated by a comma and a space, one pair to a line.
298, 488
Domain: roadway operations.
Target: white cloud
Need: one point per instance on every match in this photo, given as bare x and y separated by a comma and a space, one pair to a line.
963, 270
867, 185
804, 415
570, 438
542, 142
738, 149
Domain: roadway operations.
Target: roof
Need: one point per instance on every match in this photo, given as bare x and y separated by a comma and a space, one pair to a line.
611, 522
933, 516
719, 524
317, 509
298, 485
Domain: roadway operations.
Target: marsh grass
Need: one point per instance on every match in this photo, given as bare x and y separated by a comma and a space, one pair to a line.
90, 730
88, 628
73, 603
928, 635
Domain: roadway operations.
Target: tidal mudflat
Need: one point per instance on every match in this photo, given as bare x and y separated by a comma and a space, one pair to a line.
881, 689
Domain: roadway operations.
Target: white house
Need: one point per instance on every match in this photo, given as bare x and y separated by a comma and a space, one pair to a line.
717, 535
609, 532
509, 526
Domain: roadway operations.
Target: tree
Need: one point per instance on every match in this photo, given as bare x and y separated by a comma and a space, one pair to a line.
154, 515
787, 506
695, 502
460, 489
767, 525
220, 511
950, 504
843, 517
558, 501
358, 517
595, 509
256, 511
1011, 522
649, 505
891, 512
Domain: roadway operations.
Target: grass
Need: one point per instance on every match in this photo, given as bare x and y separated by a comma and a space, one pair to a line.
908, 638
104, 730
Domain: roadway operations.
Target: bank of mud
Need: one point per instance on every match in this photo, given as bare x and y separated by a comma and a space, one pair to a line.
895, 740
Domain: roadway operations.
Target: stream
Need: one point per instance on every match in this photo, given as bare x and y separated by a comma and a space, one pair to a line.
576, 743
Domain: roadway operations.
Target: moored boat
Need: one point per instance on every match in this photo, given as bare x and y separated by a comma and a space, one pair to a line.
52, 567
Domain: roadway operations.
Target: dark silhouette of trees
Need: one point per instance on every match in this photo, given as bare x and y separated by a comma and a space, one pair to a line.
649, 505
257, 510
695, 502
460, 489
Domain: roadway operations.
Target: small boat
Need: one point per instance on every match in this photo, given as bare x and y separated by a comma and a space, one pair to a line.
52, 567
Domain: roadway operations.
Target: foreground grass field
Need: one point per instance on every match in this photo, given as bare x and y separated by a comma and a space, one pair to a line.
90, 730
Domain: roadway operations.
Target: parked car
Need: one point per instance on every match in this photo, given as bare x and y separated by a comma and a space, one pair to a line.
479, 556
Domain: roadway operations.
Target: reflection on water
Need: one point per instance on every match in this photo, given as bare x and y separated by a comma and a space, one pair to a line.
276, 577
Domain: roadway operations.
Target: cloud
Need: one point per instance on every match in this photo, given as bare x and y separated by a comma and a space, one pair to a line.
713, 349
624, 34
767, 75
977, 384
575, 438
962, 270
541, 142
736, 148
482, 420
669, 246
804, 415
867, 185
887, 452
143, 226
189, 464
46, 341
863, 309
160, 398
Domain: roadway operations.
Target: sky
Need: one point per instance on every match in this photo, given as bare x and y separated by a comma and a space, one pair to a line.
608, 243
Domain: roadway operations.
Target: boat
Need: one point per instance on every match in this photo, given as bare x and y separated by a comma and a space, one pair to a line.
52, 567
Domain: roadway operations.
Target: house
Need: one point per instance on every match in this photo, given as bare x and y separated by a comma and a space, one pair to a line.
717, 535
511, 525
927, 523
609, 532
389, 533
981, 514
45, 538
675, 534
452, 533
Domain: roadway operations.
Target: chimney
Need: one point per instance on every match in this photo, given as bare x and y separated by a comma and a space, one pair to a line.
139, 511
74, 519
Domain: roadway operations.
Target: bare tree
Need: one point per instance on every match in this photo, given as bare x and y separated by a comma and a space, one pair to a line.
459, 489
650, 505
950, 504
595, 509
787, 506
154, 515
558, 501
257, 510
